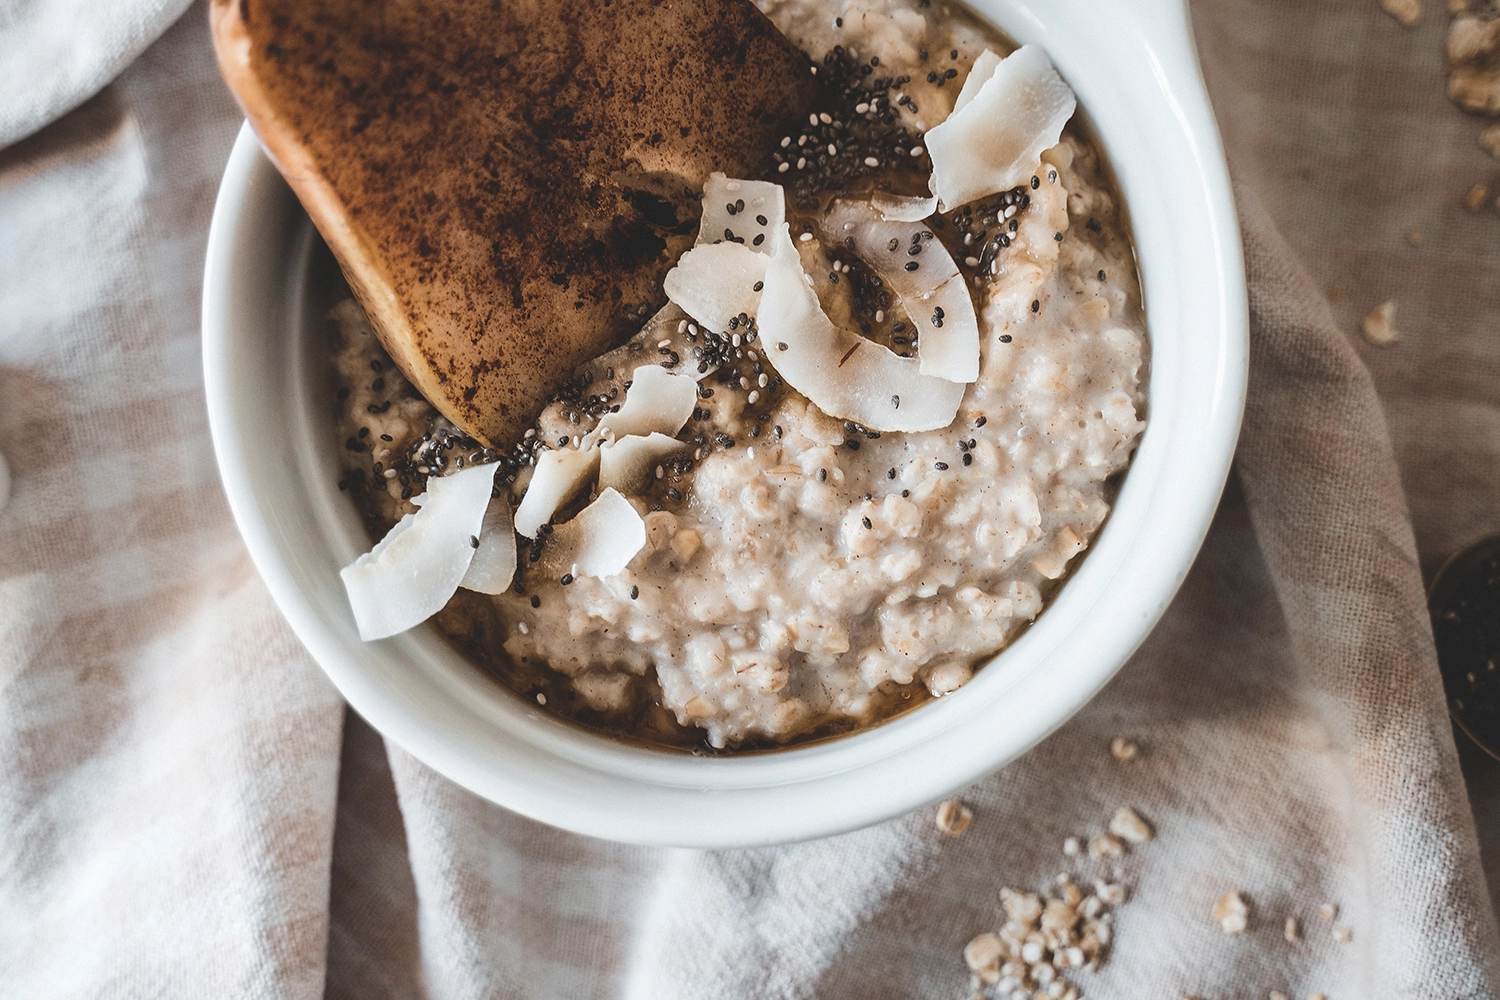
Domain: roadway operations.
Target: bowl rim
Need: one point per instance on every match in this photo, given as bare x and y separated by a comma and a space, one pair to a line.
535, 765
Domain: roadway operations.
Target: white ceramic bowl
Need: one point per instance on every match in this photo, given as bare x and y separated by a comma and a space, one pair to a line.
1135, 71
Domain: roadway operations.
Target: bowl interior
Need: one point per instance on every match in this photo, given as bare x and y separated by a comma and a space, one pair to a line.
267, 383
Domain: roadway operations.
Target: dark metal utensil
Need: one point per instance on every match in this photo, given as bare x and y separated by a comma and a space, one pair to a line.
1464, 602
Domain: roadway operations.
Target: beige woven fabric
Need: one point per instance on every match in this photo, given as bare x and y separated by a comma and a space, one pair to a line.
55, 54
186, 811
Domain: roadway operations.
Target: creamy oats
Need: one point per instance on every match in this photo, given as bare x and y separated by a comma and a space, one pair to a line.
803, 575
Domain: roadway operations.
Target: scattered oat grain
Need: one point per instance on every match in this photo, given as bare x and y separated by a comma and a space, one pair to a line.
1232, 912
1122, 749
1044, 934
1329, 911
1476, 90
1317, 996
1112, 893
1103, 845
1380, 325
1342, 934
953, 817
1278, 995
983, 955
1128, 825
1290, 931
1489, 139
1477, 196
1472, 40
1071, 847
1408, 12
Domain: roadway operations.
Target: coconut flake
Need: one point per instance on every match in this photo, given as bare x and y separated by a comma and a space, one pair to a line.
899, 208
560, 474
715, 282
948, 344
886, 246
994, 141
412, 572
762, 200
494, 564
842, 373
599, 542
629, 462
658, 401
979, 74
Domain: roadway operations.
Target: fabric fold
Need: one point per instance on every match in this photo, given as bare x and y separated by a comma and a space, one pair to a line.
186, 812
56, 54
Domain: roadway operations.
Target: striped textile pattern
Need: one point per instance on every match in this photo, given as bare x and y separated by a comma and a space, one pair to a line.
188, 810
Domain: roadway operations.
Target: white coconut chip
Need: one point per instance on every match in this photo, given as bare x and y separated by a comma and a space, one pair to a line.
901, 208
979, 74
494, 564
842, 373
560, 474
599, 542
629, 462
995, 140
762, 200
947, 345
715, 282
412, 572
658, 402
886, 246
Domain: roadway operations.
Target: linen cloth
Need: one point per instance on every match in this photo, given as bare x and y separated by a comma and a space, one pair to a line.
187, 810
55, 54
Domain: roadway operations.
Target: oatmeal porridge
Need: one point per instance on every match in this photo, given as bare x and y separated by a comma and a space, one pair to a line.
788, 570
